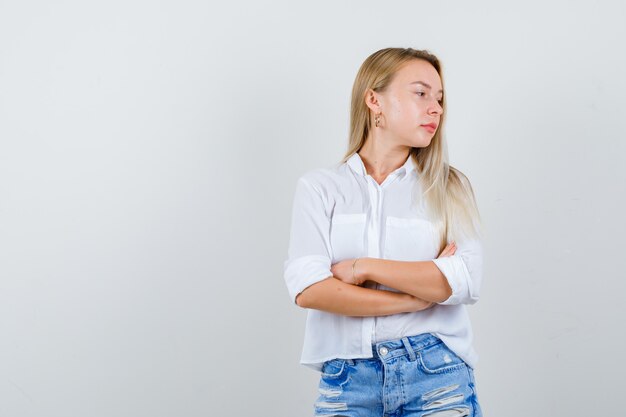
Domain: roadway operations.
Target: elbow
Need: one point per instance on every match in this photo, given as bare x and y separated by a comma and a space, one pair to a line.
443, 293
447, 292
310, 296
303, 299
300, 300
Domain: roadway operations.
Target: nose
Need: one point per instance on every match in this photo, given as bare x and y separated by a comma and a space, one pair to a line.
435, 107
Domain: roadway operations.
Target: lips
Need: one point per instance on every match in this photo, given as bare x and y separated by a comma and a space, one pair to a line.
430, 127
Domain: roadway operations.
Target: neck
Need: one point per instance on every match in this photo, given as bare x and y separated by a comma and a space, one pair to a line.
381, 160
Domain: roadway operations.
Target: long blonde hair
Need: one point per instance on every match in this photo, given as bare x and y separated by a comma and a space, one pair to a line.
447, 194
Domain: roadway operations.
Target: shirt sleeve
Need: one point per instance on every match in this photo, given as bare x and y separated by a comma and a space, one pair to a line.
464, 272
308, 257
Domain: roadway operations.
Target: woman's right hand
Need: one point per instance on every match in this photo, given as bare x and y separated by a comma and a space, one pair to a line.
448, 250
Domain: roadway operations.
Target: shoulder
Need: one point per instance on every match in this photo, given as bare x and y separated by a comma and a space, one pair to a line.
325, 179
327, 183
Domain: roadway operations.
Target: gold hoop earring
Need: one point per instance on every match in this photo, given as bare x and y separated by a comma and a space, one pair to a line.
377, 119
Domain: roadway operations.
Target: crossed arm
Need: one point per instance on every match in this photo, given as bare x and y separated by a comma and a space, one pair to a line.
421, 284
336, 296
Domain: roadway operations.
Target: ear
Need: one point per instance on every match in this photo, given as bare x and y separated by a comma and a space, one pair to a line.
372, 100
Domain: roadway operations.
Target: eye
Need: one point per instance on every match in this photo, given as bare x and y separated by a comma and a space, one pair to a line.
422, 93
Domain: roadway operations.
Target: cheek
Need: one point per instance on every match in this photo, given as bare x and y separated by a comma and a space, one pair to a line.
408, 116
402, 112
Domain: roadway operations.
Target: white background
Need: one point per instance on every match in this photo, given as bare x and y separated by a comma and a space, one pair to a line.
148, 159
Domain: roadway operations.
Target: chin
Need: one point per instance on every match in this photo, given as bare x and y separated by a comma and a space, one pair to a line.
421, 143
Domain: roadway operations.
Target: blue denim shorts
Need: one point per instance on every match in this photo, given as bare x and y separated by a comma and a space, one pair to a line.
413, 376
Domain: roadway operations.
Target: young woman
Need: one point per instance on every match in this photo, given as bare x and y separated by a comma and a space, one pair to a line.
385, 253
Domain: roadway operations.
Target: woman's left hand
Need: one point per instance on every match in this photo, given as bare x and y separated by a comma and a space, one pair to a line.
342, 270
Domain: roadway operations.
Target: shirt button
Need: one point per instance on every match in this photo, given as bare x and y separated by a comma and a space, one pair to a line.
383, 351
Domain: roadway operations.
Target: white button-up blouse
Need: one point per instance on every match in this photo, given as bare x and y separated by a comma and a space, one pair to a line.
343, 213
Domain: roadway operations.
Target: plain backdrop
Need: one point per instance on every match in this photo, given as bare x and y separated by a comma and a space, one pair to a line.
149, 152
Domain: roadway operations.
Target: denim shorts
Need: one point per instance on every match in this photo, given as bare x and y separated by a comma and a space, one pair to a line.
412, 376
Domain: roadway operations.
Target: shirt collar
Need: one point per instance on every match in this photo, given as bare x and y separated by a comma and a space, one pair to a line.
356, 163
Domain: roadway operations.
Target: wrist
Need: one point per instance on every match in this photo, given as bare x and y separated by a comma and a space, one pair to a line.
361, 270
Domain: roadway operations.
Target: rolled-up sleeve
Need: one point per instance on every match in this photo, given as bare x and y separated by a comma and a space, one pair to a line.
308, 257
464, 272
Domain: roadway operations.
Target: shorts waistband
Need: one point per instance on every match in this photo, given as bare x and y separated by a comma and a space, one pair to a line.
387, 349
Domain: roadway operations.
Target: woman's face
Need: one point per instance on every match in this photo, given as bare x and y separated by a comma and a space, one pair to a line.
412, 100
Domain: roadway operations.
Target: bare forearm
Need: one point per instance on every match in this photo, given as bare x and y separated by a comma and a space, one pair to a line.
335, 296
419, 278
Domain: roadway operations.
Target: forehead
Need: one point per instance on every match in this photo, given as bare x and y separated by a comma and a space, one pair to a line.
418, 70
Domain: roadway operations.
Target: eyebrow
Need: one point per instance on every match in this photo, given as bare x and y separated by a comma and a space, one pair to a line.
425, 85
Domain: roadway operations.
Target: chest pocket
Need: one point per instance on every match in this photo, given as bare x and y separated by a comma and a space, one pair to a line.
409, 239
347, 235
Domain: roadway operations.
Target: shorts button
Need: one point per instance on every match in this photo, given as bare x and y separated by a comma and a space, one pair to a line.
383, 351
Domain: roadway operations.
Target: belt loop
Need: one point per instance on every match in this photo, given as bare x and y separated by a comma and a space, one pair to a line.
409, 348
350, 362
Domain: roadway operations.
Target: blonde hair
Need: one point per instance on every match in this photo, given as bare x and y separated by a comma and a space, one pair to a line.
447, 194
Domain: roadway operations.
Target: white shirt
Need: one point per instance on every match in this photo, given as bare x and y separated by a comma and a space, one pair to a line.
343, 213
